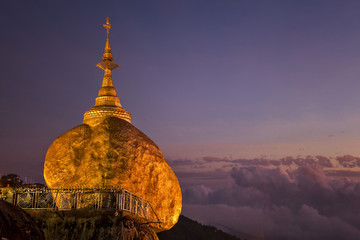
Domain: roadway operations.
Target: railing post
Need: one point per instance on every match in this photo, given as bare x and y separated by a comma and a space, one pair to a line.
101, 200
36, 199
147, 211
118, 199
78, 200
130, 202
142, 206
122, 200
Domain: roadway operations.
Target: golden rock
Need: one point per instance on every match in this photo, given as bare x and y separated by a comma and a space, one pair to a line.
107, 151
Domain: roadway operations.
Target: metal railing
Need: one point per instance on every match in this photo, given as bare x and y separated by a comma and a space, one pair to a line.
77, 199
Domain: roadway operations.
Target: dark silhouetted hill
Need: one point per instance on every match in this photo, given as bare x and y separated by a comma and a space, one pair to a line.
187, 229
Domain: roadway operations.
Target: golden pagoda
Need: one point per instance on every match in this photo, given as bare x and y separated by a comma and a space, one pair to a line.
107, 151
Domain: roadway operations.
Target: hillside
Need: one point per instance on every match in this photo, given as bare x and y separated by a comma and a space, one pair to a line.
187, 229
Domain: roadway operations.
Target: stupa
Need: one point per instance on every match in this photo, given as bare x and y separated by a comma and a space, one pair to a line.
107, 151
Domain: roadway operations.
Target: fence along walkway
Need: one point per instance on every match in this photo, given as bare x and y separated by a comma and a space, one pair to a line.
76, 199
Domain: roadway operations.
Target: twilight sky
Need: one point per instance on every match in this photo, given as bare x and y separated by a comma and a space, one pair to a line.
222, 80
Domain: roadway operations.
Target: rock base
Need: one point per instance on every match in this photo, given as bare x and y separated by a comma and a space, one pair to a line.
88, 225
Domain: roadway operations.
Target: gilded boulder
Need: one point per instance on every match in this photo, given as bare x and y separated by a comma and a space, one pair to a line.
115, 154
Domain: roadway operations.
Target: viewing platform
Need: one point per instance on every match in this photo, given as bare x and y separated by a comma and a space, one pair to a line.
116, 200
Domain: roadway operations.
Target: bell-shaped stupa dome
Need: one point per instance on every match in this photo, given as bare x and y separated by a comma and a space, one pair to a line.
107, 151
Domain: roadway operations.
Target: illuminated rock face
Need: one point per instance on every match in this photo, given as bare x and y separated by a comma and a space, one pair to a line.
115, 154
107, 151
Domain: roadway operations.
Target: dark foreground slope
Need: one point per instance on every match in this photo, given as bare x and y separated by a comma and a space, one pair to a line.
187, 229
16, 224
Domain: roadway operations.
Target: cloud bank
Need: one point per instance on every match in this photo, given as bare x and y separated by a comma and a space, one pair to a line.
276, 203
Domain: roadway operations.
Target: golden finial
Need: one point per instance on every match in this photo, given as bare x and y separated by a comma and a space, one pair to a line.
107, 56
107, 26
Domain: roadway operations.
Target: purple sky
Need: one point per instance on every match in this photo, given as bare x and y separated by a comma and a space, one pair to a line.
221, 79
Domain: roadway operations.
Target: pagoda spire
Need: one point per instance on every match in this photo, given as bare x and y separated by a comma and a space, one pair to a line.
107, 64
107, 104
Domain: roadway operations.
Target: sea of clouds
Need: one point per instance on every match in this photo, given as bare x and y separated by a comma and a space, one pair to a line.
266, 200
